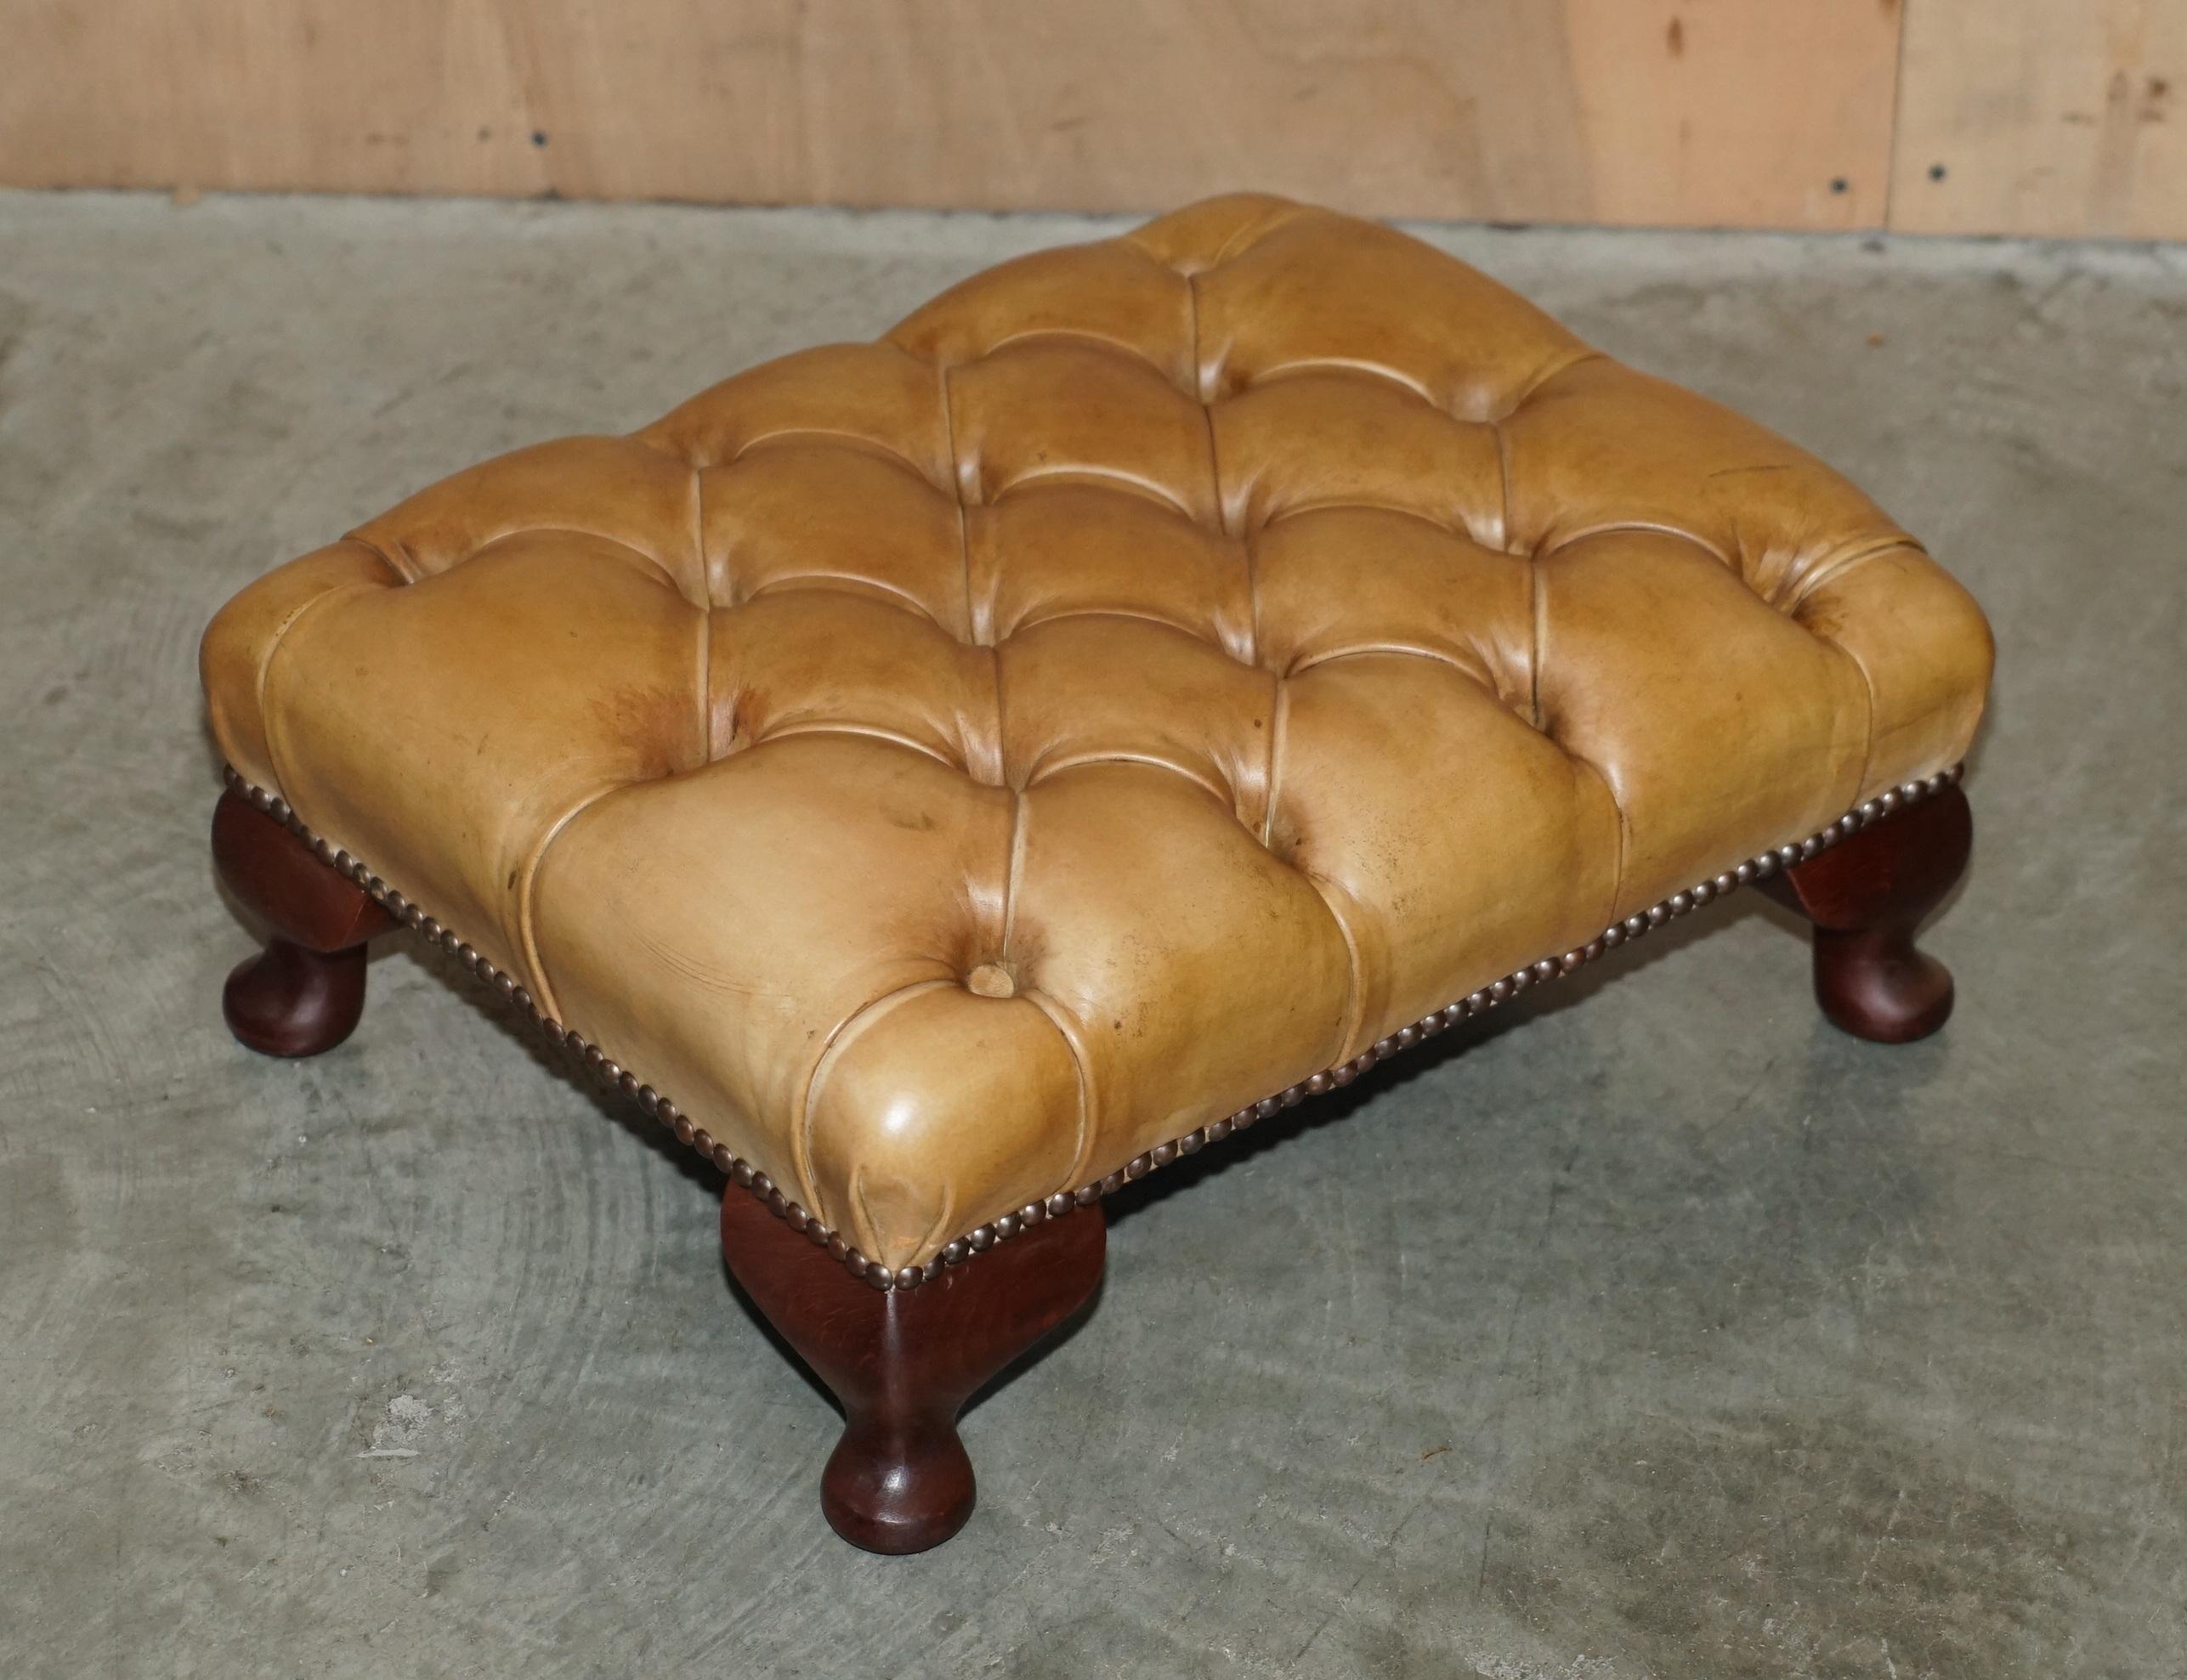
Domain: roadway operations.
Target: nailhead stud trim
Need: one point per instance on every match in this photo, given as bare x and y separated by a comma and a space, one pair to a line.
956, 1252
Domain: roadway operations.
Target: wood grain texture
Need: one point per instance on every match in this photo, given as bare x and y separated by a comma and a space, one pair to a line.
304, 993
904, 1361
2033, 117
1742, 112
1867, 897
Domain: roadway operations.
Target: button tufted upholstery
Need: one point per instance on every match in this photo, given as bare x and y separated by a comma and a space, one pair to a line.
1158, 670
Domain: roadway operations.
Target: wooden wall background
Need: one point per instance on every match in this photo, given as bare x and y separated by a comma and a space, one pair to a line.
2046, 116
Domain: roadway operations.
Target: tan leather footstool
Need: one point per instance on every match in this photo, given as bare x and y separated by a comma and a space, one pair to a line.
946, 777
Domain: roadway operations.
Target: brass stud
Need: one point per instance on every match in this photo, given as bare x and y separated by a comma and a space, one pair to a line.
1009, 1226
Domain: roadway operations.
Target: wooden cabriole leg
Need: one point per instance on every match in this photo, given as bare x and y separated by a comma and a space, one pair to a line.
303, 993
904, 1361
1866, 896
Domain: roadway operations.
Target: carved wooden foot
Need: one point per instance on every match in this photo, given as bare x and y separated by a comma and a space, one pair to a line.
1866, 896
904, 1362
304, 993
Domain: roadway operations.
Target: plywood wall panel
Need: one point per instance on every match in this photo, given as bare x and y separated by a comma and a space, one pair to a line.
1738, 112
2041, 116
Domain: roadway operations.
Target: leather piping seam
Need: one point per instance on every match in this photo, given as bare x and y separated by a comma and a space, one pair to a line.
958, 1250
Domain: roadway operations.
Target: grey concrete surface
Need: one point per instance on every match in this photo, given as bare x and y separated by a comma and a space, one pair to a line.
1661, 1331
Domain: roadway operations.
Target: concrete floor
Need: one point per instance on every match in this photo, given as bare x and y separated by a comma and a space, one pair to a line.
1661, 1332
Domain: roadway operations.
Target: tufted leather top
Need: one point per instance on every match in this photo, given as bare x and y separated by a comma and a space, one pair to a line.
1156, 670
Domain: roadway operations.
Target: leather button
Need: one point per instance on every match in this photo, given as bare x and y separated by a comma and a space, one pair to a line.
1309, 641
991, 980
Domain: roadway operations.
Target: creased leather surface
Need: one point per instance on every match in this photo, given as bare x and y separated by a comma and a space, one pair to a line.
1235, 641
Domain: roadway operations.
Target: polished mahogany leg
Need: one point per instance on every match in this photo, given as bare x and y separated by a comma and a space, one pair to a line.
305, 991
904, 1361
1866, 896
